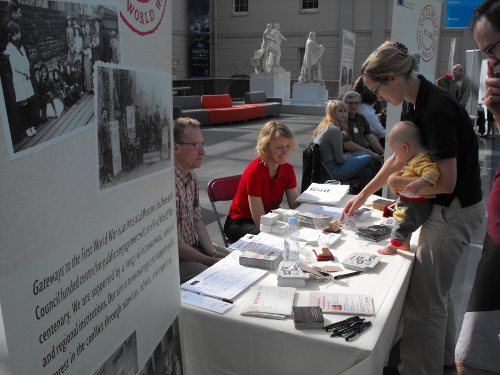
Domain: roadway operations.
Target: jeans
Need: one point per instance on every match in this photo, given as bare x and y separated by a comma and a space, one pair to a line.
360, 166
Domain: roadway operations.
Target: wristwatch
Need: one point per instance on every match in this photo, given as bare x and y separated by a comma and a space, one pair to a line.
211, 255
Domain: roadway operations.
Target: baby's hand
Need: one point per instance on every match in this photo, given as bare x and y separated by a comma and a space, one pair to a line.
415, 186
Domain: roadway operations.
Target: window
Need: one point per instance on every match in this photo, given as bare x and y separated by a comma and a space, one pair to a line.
240, 7
309, 5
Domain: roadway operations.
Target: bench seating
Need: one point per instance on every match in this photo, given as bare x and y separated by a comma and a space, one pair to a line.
209, 109
273, 105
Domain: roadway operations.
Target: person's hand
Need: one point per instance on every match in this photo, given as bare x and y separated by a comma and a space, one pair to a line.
492, 91
210, 261
220, 255
392, 179
352, 206
415, 186
375, 156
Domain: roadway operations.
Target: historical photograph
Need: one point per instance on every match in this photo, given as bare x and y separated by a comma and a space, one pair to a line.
49, 49
123, 360
167, 357
133, 124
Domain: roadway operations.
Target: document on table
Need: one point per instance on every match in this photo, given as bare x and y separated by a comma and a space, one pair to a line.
207, 303
327, 210
256, 241
223, 280
342, 303
272, 302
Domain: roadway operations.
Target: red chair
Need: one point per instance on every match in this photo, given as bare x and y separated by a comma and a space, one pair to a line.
222, 189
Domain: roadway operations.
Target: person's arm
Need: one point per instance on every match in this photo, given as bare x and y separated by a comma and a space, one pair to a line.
352, 147
390, 166
445, 184
256, 208
186, 252
205, 242
291, 195
374, 143
375, 125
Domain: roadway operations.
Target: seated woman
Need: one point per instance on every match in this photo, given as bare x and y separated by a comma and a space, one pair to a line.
264, 181
328, 135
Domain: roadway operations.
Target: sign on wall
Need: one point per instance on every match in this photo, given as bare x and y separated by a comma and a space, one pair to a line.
199, 56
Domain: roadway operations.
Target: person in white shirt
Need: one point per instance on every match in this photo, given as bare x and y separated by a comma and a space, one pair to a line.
368, 100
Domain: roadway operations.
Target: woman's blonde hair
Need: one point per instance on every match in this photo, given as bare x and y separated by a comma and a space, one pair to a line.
269, 133
331, 110
389, 58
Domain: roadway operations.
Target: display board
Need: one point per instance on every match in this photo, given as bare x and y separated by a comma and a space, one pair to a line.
89, 279
346, 62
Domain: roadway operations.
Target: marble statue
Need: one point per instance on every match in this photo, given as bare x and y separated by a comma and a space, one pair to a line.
261, 56
311, 66
274, 58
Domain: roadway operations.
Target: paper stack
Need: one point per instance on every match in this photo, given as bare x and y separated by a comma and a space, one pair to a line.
290, 274
361, 261
269, 302
374, 233
260, 258
308, 317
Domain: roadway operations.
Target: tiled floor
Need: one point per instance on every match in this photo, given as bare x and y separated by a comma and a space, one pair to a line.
232, 146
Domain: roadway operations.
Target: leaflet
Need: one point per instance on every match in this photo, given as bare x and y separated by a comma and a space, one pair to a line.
342, 303
207, 303
260, 242
269, 302
223, 280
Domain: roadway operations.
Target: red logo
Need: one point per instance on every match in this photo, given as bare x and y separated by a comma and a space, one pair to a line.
143, 16
427, 33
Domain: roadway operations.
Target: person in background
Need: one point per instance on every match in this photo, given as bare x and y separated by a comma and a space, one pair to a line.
46, 90
115, 48
359, 135
463, 83
367, 109
105, 145
428, 339
448, 84
196, 250
264, 182
70, 35
21, 78
478, 347
87, 59
329, 136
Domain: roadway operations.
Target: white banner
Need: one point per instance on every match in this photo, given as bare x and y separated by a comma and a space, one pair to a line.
346, 62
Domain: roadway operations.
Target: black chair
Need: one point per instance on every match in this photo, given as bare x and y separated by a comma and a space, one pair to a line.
315, 171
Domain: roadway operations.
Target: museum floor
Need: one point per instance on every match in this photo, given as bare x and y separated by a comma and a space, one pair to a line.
231, 148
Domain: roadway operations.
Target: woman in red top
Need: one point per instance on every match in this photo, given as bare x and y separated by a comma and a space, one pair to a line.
264, 181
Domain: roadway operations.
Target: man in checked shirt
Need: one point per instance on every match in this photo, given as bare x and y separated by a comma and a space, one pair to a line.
196, 250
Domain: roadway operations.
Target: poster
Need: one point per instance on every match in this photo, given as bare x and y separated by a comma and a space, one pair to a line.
346, 62
199, 56
89, 280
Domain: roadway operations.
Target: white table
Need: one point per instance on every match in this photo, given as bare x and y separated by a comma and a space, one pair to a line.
235, 344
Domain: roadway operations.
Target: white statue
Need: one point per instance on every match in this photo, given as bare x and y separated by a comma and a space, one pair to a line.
311, 67
274, 58
259, 60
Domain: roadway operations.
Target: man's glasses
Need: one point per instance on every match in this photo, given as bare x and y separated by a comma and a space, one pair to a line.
197, 145
489, 51
352, 103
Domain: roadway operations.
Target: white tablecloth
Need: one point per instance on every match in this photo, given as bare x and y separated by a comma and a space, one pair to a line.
235, 344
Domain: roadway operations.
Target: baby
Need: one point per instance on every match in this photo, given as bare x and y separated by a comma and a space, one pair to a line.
411, 209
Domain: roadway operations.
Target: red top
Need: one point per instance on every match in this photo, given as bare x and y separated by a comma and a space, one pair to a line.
256, 181
494, 209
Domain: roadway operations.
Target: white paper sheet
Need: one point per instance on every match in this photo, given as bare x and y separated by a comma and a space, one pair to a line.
255, 241
334, 211
207, 303
223, 280
266, 301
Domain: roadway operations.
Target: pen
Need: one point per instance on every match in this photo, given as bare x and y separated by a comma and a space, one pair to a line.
358, 331
219, 298
348, 274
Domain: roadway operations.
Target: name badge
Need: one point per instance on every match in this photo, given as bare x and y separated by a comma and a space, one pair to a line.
356, 130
